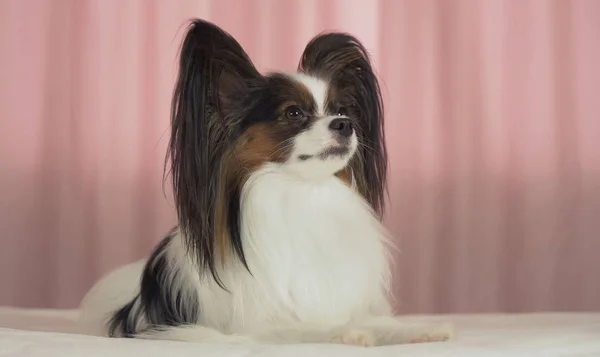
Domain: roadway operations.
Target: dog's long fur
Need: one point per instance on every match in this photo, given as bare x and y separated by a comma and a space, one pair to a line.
279, 236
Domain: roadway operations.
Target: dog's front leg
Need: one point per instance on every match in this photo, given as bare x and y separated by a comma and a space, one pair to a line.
303, 332
390, 330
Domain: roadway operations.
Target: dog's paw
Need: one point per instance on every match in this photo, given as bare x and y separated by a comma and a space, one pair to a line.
432, 337
392, 331
354, 337
424, 333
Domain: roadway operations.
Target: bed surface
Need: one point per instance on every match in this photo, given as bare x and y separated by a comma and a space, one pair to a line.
32, 333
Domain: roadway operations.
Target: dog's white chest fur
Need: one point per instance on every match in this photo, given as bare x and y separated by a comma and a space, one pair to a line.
315, 251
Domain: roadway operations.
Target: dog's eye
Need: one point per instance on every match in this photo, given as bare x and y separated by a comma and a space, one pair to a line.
342, 111
294, 113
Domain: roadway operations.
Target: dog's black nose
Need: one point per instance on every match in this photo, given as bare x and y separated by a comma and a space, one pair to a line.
342, 126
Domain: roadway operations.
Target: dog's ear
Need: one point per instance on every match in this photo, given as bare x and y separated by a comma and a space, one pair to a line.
214, 64
214, 72
342, 59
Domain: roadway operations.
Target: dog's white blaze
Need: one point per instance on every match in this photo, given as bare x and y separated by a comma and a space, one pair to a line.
317, 87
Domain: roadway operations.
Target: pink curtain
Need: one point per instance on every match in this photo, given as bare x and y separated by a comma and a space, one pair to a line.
493, 124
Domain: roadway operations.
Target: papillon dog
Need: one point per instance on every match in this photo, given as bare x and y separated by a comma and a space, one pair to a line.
279, 184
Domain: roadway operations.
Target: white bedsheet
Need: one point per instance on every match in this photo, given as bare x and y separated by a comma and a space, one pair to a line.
32, 333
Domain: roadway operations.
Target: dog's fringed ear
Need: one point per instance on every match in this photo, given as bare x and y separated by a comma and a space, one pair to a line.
345, 62
213, 72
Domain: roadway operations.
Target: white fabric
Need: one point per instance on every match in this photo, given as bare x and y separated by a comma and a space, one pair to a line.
32, 333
